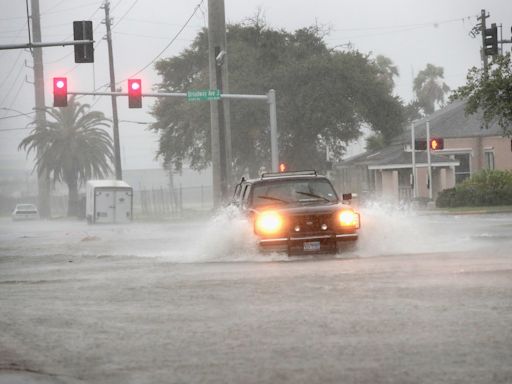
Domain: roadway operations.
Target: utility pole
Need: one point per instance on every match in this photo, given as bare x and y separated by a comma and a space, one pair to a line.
115, 120
219, 110
43, 181
482, 17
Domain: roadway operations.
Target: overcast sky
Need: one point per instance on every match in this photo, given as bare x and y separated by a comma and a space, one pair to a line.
411, 33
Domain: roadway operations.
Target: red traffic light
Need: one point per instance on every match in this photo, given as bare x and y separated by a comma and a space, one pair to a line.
436, 144
134, 93
60, 91
282, 167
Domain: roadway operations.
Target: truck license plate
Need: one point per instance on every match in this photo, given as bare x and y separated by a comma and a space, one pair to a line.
312, 246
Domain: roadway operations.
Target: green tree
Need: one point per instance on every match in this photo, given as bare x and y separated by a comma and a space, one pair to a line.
490, 92
72, 148
323, 98
387, 70
430, 89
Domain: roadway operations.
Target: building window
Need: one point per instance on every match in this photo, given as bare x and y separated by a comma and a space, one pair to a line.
489, 160
463, 170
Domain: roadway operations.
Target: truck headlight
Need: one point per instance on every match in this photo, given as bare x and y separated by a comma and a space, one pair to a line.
348, 218
268, 223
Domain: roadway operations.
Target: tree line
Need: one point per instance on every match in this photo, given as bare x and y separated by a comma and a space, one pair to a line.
325, 97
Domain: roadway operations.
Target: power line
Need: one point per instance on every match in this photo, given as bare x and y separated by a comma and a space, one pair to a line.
12, 69
419, 25
170, 43
398, 29
124, 15
13, 129
21, 69
13, 116
147, 36
69, 9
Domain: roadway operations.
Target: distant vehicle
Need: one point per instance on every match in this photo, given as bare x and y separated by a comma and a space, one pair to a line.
25, 212
108, 201
297, 212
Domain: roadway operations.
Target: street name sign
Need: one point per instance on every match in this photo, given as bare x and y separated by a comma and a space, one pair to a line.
203, 95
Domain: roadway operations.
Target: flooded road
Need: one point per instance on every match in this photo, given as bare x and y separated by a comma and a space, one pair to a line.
423, 299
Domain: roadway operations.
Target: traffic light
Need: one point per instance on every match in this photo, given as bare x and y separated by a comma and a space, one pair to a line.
436, 143
84, 53
420, 145
282, 167
134, 93
60, 92
491, 40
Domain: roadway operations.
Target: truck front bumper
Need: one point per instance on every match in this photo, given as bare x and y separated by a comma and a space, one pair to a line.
306, 244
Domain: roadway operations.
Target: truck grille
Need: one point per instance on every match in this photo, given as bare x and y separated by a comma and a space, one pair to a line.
310, 223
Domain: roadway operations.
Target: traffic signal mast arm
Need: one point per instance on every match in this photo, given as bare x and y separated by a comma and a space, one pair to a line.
41, 45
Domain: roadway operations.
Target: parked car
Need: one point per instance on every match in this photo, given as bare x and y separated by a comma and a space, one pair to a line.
25, 212
297, 212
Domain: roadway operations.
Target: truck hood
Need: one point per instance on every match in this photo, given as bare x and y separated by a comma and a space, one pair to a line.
308, 209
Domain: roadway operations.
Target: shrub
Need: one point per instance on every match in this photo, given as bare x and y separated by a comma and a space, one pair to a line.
485, 188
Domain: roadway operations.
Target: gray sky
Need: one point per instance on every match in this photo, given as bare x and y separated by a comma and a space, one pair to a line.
412, 33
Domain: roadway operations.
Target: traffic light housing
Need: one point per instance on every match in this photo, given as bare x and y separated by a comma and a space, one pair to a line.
491, 40
420, 145
84, 53
436, 143
60, 92
134, 93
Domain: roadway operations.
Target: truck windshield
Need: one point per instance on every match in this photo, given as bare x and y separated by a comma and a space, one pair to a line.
297, 191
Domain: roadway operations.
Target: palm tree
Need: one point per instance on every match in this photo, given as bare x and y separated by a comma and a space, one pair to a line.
430, 89
387, 70
72, 148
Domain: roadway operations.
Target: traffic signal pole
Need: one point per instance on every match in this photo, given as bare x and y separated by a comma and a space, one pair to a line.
429, 162
270, 98
413, 155
482, 17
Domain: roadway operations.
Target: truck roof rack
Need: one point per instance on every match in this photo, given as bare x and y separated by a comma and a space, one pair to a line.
267, 175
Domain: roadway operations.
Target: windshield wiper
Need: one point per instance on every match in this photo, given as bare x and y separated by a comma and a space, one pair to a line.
274, 199
313, 195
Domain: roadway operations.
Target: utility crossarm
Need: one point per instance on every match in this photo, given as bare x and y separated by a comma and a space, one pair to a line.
40, 45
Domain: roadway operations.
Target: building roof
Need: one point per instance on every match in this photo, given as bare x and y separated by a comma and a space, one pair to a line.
448, 122
394, 156
452, 122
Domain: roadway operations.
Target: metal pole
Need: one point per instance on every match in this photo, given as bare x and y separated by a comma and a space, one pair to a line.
482, 29
34, 44
273, 130
413, 154
429, 163
115, 121
222, 127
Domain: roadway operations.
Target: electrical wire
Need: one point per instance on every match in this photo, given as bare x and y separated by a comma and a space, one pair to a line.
419, 25
126, 13
170, 43
21, 69
4, 81
69, 9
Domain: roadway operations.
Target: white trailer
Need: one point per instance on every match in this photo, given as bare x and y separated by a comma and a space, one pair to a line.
108, 201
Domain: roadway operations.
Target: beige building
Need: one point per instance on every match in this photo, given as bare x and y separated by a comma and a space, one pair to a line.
469, 146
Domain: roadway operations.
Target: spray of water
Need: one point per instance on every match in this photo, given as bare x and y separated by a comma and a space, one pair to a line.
228, 236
